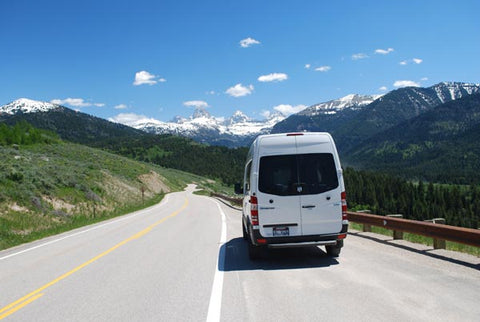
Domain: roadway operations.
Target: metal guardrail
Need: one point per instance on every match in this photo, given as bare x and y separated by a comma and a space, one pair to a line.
461, 235
434, 230
233, 200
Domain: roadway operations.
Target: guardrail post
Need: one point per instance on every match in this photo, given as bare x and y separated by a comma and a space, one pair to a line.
397, 234
366, 228
438, 243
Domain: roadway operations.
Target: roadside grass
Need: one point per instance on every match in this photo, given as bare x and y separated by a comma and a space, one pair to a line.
20, 227
420, 239
46, 189
207, 186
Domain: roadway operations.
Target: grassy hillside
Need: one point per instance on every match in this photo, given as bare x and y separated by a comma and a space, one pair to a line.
216, 162
50, 188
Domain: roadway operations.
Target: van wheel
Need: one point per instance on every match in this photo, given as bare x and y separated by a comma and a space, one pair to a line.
254, 252
334, 250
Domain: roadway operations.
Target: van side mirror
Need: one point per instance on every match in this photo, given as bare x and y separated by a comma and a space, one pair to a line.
238, 189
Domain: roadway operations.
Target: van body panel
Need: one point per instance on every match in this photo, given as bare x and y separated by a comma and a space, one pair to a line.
272, 216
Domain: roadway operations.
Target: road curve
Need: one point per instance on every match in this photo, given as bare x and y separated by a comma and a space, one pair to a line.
179, 261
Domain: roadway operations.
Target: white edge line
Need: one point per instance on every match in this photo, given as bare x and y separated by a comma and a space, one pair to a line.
165, 200
215, 305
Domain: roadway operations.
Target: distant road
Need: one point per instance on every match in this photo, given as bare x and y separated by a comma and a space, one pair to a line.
184, 260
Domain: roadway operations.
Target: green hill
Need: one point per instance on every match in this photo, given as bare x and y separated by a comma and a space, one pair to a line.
216, 162
47, 188
441, 145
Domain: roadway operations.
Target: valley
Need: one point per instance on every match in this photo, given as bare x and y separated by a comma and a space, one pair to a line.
62, 168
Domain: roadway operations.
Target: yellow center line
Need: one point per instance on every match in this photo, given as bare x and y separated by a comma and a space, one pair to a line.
18, 307
18, 304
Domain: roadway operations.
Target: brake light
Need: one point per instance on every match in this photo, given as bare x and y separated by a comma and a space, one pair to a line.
342, 236
294, 134
254, 210
344, 205
261, 241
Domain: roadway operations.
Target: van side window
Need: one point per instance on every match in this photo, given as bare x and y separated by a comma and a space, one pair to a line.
302, 174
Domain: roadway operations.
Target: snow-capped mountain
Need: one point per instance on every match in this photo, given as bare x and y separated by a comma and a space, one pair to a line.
353, 119
352, 101
239, 128
70, 125
350, 119
25, 105
450, 91
201, 126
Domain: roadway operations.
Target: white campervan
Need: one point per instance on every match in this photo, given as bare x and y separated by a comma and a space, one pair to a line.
294, 193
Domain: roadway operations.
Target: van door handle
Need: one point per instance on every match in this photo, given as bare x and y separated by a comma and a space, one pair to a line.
308, 206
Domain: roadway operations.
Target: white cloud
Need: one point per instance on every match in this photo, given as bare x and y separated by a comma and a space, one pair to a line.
120, 107
287, 109
414, 60
129, 118
406, 83
307, 66
359, 56
197, 104
323, 68
274, 77
144, 77
239, 90
384, 51
77, 102
247, 42
424, 79
383, 89
266, 114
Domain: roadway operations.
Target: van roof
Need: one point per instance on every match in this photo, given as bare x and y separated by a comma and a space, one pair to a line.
318, 134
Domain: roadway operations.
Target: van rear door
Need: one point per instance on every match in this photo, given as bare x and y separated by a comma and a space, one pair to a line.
278, 200
320, 198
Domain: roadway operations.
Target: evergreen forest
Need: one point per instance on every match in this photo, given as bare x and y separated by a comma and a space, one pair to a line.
385, 194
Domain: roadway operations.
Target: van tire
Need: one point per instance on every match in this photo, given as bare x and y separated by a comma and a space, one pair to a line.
254, 252
334, 250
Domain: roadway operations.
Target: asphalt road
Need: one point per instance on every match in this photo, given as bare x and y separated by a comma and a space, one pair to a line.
185, 260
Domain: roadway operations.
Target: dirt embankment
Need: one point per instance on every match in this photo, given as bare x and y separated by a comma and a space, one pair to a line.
116, 191
153, 182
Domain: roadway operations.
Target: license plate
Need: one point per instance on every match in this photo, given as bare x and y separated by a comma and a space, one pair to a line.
280, 231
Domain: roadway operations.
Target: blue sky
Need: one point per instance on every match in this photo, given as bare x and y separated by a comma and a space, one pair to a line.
162, 58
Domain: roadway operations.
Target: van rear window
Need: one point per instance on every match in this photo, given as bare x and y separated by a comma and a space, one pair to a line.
297, 174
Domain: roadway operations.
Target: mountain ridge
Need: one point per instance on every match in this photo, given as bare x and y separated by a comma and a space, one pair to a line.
235, 131
68, 124
350, 126
447, 136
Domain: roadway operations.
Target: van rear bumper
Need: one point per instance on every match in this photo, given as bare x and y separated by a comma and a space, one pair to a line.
298, 241
303, 244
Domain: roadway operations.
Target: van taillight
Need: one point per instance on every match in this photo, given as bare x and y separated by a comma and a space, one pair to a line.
294, 134
344, 206
254, 210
